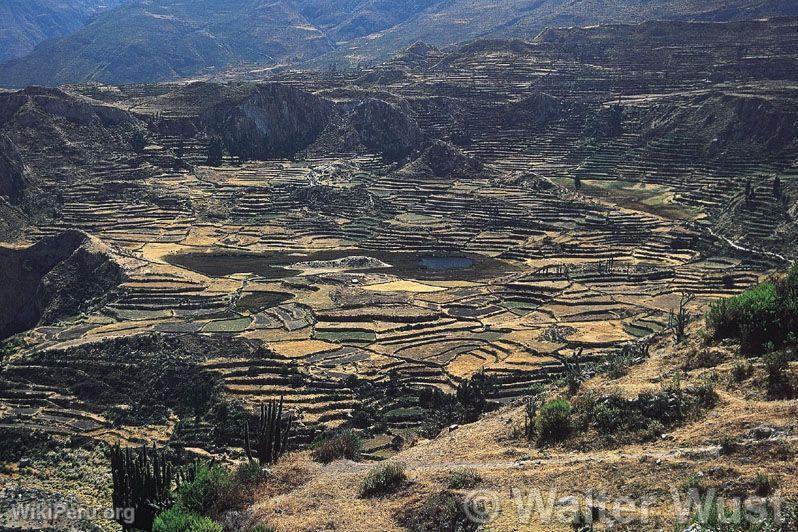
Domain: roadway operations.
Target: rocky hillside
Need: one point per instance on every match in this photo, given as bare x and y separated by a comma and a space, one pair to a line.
54, 279
272, 120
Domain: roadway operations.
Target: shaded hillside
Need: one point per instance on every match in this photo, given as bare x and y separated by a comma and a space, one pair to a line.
12, 170
272, 120
54, 279
441, 159
344, 20
50, 141
266, 121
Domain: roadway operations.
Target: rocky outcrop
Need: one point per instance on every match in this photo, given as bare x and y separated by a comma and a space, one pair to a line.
529, 180
723, 123
340, 201
443, 160
12, 171
58, 277
533, 111
271, 121
385, 128
28, 105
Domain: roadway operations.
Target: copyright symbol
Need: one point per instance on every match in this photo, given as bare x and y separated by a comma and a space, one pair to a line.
481, 506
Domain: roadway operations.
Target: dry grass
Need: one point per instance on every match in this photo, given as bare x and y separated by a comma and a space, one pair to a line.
507, 463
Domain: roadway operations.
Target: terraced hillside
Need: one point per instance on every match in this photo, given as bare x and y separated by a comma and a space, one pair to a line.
368, 236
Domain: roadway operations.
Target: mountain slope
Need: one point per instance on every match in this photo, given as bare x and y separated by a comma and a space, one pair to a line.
26, 23
462, 20
171, 39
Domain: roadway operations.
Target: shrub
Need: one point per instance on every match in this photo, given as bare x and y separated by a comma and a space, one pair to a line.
178, 519
205, 491
763, 485
703, 358
778, 375
742, 370
442, 511
383, 480
644, 417
463, 479
617, 365
765, 314
553, 422
705, 393
249, 473
344, 444
727, 445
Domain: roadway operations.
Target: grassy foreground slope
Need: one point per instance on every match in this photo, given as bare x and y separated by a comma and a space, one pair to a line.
717, 429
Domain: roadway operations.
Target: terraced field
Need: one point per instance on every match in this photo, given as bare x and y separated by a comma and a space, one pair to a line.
562, 200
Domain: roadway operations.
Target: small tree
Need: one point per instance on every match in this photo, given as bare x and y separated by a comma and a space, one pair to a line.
777, 190
577, 183
138, 142
572, 370
749, 191
680, 319
215, 152
473, 393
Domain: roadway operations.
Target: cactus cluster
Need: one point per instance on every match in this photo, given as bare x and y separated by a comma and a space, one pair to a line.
270, 438
142, 481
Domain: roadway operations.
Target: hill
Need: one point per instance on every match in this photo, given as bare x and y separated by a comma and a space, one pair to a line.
145, 42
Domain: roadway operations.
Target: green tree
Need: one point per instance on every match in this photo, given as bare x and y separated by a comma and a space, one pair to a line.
138, 142
215, 152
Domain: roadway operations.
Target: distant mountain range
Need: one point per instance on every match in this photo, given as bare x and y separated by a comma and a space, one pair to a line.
158, 40
26, 23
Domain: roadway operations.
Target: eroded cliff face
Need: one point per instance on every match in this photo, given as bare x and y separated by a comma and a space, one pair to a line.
272, 121
12, 171
722, 123
56, 278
